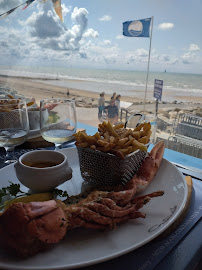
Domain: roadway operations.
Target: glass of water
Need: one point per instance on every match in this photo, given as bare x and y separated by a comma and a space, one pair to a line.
14, 126
57, 120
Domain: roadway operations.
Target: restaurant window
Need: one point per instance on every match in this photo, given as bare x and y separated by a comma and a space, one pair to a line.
79, 51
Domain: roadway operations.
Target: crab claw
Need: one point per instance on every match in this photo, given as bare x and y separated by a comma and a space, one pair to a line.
157, 152
149, 168
152, 162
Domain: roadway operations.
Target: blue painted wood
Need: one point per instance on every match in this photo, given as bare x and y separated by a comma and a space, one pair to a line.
89, 129
180, 158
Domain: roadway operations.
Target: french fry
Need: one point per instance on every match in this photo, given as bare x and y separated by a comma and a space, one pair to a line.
126, 133
88, 139
112, 130
126, 151
30, 104
117, 153
147, 127
84, 144
136, 134
140, 146
122, 141
102, 143
144, 140
135, 148
149, 133
118, 126
106, 148
10, 96
139, 127
12, 104
116, 140
97, 136
130, 142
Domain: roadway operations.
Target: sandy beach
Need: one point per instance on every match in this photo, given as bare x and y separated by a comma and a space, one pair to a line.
32, 88
40, 90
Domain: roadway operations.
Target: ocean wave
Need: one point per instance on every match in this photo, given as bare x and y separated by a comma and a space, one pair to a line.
126, 84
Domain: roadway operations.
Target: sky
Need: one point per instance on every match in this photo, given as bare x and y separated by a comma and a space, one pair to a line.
91, 35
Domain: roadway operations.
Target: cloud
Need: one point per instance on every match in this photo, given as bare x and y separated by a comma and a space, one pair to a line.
106, 42
105, 18
56, 36
83, 55
38, 22
194, 47
65, 9
79, 16
141, 52
7, 5
188, 58
43, 37
91, 33
166, 26
119, 37
100, 55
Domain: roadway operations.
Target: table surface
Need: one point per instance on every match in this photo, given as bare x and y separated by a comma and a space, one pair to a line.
184, 253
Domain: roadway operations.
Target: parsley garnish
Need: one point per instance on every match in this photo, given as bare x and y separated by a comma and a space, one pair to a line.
59, 192
14, 191
11, 190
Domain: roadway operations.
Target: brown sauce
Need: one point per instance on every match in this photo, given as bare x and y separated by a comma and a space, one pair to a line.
41, 164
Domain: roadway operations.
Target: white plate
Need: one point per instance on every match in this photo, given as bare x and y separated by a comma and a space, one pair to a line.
87, 247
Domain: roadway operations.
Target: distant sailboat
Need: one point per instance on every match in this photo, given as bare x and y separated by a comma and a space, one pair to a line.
165, 71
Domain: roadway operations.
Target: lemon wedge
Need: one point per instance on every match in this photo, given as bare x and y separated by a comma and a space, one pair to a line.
39, 197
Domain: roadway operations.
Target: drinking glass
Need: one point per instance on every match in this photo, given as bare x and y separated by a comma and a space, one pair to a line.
14, 126
57, 120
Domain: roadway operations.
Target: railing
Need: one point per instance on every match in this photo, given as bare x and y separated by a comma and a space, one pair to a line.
187, 135
124, 114
185, 147
189, 126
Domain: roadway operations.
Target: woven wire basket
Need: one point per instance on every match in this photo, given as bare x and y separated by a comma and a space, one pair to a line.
11, 119
100, 169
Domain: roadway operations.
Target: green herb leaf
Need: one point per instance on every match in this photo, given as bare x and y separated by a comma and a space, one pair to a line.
59, 192
11, 190
14, 189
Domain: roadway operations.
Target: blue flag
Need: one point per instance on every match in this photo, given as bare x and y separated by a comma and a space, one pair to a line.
139, 28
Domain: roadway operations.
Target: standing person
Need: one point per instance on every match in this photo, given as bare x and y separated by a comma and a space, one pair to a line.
117, 101
113, 96
101, 106
112, 112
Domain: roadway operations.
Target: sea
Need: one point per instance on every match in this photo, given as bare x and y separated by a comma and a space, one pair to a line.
176, 86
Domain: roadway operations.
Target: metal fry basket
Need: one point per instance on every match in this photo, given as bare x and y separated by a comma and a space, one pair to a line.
11, 118
98, 168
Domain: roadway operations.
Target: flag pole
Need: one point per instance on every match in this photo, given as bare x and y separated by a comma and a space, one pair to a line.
148, 63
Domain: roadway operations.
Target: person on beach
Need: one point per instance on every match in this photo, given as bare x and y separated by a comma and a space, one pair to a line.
101, 106
113, 96
117, 102
112, 112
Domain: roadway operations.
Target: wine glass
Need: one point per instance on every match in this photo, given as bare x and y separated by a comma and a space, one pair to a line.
14, 126
57, 120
